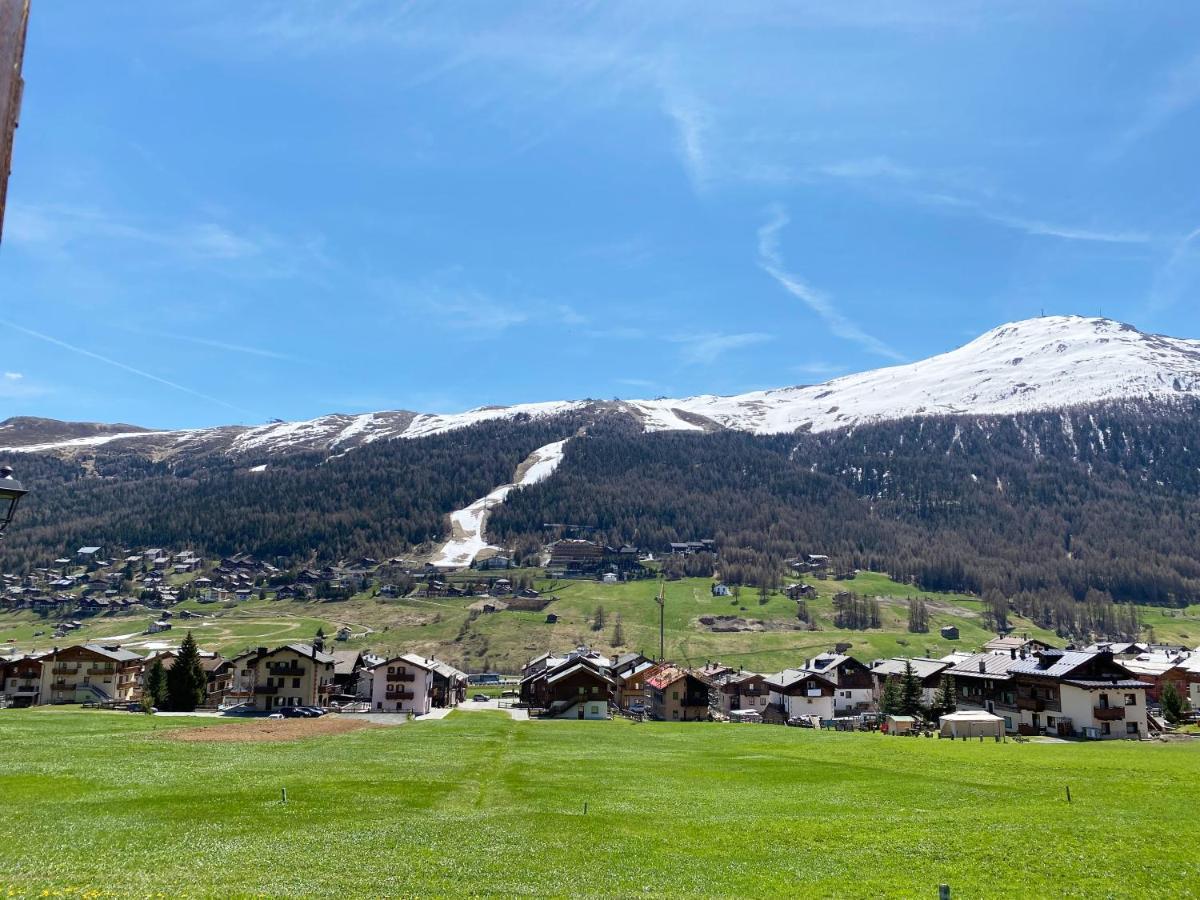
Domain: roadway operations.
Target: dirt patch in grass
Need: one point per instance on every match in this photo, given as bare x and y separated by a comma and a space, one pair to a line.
257, 730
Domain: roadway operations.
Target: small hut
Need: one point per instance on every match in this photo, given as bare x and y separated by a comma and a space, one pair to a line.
900, 724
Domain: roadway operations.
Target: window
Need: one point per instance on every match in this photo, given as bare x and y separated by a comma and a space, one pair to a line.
582, 689
1131, 700
295, 682
674, 695
1131, 727
1106, 728
1008, 723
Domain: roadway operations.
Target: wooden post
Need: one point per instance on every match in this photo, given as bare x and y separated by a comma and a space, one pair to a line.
585, 807
283, 795
1068, 793
943, 892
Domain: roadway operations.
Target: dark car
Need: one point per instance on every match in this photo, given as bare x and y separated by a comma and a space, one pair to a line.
314, 712
292, 712
481, 698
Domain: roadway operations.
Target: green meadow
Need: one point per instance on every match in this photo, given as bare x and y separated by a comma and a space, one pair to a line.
477, 804
503, 641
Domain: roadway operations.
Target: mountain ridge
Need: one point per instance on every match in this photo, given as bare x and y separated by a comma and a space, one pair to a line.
1045, 363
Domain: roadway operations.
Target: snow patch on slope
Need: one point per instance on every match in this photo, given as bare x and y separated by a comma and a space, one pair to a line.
467, 524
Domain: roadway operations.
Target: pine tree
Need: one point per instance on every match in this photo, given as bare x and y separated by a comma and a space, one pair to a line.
155, 690
1173, 703
910, 691
598, 619
889, 700
187, 684
618, 635
945, 701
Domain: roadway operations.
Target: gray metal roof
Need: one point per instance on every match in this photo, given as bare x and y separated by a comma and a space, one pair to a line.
922, 666
984, 665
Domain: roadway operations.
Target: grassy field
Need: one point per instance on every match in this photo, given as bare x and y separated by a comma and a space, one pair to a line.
503, 641
479, 805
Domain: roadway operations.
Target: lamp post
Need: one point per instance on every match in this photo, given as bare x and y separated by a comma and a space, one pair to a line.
11, 493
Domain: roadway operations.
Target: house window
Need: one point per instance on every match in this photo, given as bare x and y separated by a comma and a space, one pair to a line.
1008, 723
1131, 700
674, 714
674, 695
582, 689
1131, 727
1106, 728
295, 682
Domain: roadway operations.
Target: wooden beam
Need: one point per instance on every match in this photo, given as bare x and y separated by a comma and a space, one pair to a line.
14, 22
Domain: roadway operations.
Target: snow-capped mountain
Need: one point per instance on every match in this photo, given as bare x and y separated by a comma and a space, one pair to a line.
1045, 363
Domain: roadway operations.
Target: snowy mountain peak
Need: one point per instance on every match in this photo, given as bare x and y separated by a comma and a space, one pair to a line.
1050, 362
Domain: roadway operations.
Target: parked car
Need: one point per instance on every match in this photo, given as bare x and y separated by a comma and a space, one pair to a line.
314, 712
275, 716
293, 712
800, 722
481, 698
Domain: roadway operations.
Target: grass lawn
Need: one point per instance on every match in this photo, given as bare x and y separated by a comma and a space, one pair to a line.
478, 804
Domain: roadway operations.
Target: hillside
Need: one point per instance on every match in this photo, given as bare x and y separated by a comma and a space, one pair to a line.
503, 641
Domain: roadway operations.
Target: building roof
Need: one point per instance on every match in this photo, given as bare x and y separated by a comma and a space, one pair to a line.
1092, 683
984, 665
922, 667
1052, 663
113, 652
304, 650
345, 661
970, 715
1011, 642
789, 677
666, 677
566, 671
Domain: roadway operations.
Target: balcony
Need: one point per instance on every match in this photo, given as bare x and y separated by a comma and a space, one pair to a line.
266, 689
1109, 713
100, 670
401, 676
288, 671
64, 670
1031, 704
398, 695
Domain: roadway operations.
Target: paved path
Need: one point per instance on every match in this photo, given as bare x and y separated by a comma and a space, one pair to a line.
518, 715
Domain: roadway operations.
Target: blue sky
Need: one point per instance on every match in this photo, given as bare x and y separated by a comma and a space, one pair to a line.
228, 213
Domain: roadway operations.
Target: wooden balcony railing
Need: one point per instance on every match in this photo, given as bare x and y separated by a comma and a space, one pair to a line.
266, 689
1109, 713
398, 695
401, 676
1032, 704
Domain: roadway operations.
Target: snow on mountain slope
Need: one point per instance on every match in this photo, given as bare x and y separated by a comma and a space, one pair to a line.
467, 524
1045, 363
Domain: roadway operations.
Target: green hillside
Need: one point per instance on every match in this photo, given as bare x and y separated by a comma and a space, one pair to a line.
502, 641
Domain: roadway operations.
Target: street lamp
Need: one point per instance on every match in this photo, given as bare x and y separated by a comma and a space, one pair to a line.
11, 493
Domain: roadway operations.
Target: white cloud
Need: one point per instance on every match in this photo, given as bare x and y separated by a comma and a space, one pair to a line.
707, 348
117, 364
13, 376
692, 120
770, 260
1179, 91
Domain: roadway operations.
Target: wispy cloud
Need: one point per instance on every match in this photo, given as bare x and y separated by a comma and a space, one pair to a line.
770, 260
707, 348
125, 367
950, 192
224, 345
819, 369
692, 120
1178, 275
13, 376
1178, 92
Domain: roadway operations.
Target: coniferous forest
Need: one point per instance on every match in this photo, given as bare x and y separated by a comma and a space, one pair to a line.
1057, 512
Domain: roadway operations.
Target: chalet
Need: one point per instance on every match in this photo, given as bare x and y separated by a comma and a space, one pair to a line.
799, 692
741, 691
949, 632
498, 561
571, 556
721, 590
348, 665
89, 672
402, 684
20, 681
982, 681
855, 685
449, 684
1015, 643
678, 695
800, 591
1079, 693
928, 671
291, 675
687, 548
631, 671
579, 685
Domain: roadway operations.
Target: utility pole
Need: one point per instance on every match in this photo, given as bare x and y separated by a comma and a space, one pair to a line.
14, 22
662, 608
